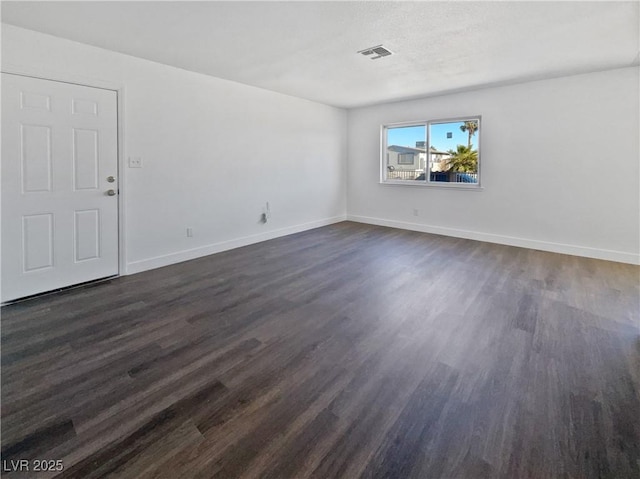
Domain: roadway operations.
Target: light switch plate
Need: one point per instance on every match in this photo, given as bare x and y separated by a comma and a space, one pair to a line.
135, 162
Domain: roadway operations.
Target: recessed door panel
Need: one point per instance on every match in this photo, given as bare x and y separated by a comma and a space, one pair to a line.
36, 158
37, 242
85, 159
80, 106
87, 232
35, 101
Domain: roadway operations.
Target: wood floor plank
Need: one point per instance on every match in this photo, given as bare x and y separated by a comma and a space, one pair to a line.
341, 352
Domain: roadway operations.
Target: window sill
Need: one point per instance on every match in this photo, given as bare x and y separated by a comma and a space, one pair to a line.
423, 184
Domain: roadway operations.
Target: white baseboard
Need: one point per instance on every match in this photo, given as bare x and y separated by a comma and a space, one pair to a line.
186, 255
609, 255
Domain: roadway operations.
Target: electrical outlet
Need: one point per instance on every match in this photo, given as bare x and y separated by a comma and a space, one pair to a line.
135, 162
189, 232
416, 212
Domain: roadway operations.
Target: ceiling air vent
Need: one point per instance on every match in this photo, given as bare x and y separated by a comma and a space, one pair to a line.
377, 52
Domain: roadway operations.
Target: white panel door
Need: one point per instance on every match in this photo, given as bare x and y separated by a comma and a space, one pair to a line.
59, 161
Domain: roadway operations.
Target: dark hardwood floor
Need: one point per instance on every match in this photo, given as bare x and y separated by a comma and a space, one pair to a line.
342, 352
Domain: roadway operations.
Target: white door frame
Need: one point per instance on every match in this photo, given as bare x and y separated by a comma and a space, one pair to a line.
122, 180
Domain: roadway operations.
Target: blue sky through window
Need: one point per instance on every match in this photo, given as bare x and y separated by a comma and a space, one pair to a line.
406, 136
409, 135
439, 136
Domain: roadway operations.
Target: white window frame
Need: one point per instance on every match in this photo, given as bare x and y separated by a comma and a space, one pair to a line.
427, 181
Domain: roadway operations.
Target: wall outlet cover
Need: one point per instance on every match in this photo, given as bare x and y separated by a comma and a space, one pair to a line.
135, 162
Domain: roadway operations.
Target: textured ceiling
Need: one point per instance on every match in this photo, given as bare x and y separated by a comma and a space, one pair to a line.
308, 49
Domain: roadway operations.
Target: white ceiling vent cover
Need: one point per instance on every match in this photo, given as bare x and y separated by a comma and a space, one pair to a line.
379, 52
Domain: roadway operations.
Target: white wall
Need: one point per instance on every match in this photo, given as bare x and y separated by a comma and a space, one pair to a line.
546, 185
560, 167
214, 151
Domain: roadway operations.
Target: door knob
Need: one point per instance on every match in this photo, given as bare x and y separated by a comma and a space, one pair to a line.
110, 179
111, 192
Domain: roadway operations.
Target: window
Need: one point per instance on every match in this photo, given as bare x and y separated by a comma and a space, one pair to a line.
437, 153
405, 156
406, 159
